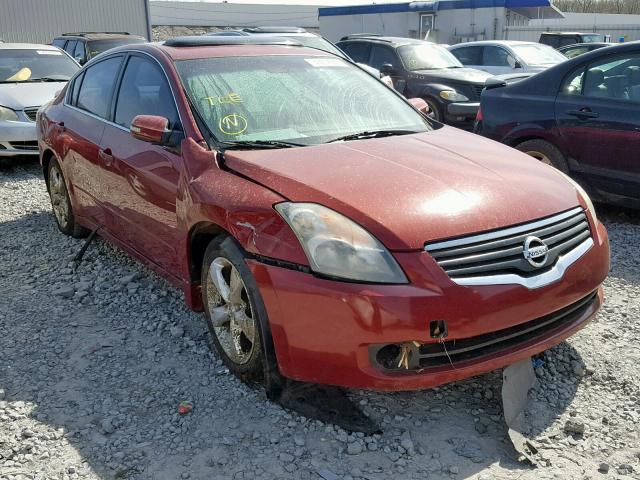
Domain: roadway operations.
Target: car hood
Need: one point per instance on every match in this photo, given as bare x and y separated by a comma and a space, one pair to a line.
470, 75
18, 95
416, 188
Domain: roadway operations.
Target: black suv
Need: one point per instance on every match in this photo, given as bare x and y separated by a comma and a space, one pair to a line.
422, 69
561, 39
83, 46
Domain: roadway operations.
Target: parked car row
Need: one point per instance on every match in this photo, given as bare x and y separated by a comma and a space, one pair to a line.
581, 116
331, 231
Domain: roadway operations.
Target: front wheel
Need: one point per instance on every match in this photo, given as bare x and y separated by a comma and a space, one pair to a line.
546, 152
233, 308
435, 111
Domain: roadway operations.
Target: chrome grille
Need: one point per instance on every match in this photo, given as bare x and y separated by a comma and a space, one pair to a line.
25, 145
31, 112
499, 257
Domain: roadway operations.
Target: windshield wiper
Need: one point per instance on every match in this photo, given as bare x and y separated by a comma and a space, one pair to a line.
259, 144
48, 79
371, 134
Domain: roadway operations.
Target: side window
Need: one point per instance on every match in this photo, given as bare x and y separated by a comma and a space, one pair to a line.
70, 47
357, 51
59, 42
572, 85
144, 91
381, 55
564, 41
574, 52
72, 98
617, 79
496, 57
468, 55
79, 52
97, 87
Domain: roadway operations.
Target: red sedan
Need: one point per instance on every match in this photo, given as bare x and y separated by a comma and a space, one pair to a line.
330, 230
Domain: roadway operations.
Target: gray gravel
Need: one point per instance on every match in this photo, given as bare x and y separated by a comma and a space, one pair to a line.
94, 363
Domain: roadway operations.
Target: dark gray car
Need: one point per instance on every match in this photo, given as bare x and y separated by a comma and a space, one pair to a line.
423, 69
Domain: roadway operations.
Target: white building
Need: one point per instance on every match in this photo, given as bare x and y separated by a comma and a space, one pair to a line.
441, 21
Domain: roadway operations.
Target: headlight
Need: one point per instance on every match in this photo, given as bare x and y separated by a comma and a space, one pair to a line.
583, 194
453, 96
386, 79
7, 114
338, 247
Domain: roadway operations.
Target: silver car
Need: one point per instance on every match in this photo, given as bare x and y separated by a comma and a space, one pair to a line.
500, 57
30, 76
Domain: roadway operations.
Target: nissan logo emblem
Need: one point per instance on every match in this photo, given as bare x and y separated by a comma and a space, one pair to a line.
535, 251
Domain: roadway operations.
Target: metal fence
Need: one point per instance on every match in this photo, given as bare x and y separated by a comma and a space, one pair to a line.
532, 33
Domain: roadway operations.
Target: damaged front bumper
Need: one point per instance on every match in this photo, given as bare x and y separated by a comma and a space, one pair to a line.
426, 333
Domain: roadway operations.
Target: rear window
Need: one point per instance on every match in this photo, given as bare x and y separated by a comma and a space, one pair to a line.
97, 87
96, 47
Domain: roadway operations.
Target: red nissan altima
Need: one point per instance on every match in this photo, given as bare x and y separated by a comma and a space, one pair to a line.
329, 229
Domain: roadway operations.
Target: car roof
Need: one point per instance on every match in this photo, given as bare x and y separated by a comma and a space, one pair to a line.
26, 46
586, 44
190, 48
394, 41
495, 42
569, 33
98, 35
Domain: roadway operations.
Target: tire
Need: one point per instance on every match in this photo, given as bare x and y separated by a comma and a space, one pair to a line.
240, 346
435, 111
545, 152
61, 203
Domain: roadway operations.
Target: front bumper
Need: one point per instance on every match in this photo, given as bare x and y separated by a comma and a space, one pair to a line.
467, 109
18, 138
325, 331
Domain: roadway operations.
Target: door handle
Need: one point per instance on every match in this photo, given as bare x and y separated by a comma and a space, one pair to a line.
106, 156
583, 113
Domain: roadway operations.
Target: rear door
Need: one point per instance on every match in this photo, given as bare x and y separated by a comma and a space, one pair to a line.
357, 51
86, 112
497, 60
598, 116
385, 55
143, 178
470, 56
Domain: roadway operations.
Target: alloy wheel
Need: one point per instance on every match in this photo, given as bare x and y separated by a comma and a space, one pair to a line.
230, 310
59, 197
540, 156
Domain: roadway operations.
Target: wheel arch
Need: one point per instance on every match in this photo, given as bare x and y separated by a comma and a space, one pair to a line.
200, 236
45, 161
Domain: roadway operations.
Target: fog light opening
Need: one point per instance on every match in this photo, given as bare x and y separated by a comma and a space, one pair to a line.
388, 356
438, 329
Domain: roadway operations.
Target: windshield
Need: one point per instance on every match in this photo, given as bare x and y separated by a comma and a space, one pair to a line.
96, 47
315, 42
292, 98
538, 54
427, 57
32, 65
596, 37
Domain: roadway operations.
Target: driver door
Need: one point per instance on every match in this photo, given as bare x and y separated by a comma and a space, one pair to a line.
143, 177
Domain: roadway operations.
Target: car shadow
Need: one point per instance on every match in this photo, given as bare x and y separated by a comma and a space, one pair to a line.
108, 375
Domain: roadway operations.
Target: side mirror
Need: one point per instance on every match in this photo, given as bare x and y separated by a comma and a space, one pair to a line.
420, 105
517, 65
150, 128
80, 60
494, 82
388, 69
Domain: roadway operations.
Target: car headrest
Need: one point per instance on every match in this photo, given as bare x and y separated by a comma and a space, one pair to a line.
595, 77
633, 74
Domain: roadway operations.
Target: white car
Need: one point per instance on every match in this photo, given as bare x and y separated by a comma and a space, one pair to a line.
30, 76
500, 57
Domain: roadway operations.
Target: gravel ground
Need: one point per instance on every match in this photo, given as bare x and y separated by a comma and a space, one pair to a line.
94, 363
